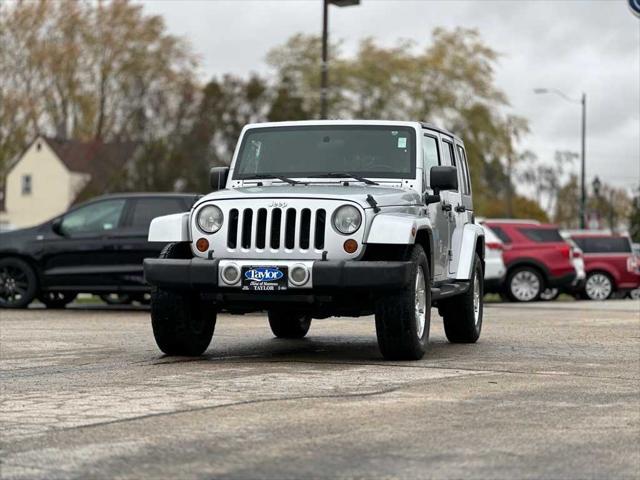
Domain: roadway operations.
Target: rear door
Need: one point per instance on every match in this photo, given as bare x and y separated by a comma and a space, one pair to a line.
452, 199
131, 242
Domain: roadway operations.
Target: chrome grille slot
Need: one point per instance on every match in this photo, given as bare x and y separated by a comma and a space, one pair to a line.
276, 223
247, 220
232, 234
305, 227
290, 229
319, 227
261, 229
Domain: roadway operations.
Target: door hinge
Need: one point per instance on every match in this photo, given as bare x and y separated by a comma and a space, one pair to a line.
450, 254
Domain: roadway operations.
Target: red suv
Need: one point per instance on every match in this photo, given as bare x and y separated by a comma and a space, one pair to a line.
609, 262
536, 257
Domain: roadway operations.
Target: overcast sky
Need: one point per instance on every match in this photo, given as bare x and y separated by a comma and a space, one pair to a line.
576, 46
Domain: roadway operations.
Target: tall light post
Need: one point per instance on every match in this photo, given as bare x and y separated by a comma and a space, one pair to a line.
324, 79
583, 102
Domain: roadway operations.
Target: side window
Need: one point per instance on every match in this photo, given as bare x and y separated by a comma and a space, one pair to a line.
501, 234
146, 209
466, 187
431, 155
447, 153
97, 218
25, 186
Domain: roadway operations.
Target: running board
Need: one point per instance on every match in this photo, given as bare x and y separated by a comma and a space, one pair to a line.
446, 290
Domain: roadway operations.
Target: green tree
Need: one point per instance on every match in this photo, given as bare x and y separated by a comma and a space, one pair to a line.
450, 82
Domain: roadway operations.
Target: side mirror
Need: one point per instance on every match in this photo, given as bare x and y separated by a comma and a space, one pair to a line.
218, 177
56, 226
443, 178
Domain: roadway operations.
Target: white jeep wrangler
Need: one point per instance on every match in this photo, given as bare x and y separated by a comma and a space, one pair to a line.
326, 218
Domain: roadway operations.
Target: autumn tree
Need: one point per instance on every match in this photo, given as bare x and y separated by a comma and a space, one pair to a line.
89, 70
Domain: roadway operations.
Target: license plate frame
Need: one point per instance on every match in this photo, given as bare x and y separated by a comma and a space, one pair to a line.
270, 281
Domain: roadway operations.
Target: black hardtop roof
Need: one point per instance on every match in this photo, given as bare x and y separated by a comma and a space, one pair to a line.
431, 126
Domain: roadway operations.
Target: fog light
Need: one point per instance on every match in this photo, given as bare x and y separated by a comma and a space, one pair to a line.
299, 275
202, 244
350, 246
231, 274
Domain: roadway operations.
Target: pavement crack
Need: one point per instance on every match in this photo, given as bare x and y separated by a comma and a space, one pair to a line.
231, 404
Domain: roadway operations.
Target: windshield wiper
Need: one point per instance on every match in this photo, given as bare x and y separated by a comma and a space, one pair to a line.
268, 176
348, 175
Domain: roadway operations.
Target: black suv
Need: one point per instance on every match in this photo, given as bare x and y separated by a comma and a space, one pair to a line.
96, 247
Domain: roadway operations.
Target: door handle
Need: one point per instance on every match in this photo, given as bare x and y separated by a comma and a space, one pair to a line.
461, 209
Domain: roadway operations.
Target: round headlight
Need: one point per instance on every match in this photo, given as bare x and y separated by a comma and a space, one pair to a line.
209, 219
347, 219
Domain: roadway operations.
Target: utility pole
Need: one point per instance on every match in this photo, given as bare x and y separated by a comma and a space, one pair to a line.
583, 192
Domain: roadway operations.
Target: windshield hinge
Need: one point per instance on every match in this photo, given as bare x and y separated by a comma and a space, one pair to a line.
372, 201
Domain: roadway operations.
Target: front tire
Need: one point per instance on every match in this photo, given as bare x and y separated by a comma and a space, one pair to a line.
18, 283
182, 325
524, 284
403, 319
289, 325
462, 314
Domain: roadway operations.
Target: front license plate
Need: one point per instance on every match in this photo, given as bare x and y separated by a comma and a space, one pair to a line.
265, 279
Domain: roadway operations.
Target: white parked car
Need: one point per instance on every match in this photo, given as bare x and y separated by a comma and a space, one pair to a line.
494, 268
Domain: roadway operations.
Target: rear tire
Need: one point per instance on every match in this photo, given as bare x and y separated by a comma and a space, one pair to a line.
403, 319
18, 283
288, 324
524, 284
462, 314
598, 286
182, 325
56, 300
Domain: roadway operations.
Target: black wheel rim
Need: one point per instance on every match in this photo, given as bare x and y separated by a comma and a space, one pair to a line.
14, 285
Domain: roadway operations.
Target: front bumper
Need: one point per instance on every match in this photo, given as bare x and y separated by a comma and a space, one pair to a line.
329, 275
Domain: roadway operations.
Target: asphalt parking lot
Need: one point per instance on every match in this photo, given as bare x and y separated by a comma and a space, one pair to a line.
551, 391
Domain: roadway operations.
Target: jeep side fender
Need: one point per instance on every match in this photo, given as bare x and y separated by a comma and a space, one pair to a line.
464, 243
396, 228
170, 228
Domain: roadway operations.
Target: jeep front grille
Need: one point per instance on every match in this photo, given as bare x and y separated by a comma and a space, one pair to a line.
276, 229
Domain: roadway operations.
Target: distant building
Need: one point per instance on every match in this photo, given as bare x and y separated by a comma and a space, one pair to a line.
53, 174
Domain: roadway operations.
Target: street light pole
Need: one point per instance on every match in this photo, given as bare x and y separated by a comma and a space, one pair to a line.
583, 192
324, 78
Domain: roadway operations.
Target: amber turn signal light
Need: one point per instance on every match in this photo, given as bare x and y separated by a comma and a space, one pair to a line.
202, 244
350, 246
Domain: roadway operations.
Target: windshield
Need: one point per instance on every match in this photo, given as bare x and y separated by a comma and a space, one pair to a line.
315, 151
